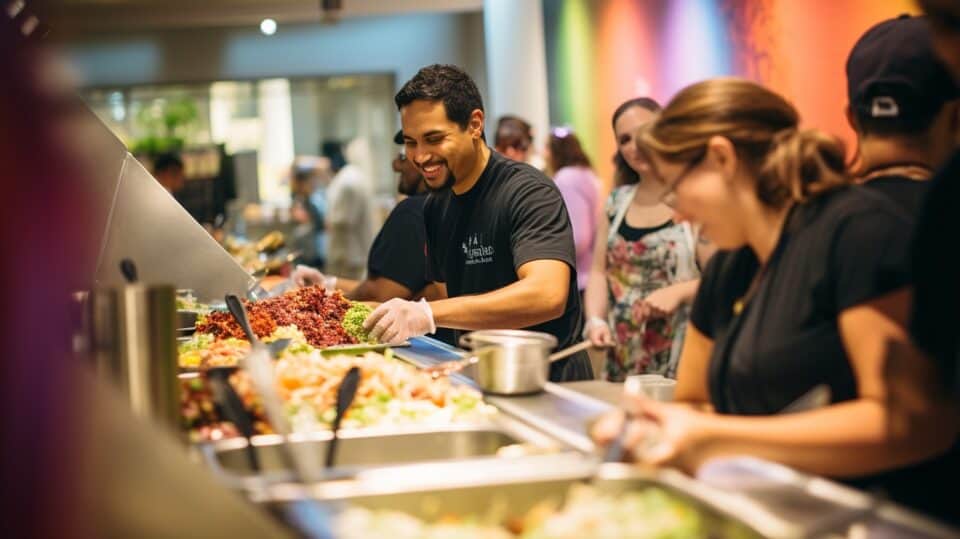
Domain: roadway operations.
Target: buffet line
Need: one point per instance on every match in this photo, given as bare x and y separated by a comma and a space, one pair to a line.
287, 402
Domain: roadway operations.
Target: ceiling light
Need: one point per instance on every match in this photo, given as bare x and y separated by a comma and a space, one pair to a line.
268, 27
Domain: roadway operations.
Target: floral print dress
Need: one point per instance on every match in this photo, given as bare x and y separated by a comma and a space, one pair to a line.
660, 258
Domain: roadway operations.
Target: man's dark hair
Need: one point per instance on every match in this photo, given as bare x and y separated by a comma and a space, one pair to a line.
167, 161
333, 150
513, 132
445, 83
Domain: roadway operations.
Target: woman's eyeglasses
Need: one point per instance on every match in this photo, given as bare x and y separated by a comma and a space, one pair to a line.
669, 196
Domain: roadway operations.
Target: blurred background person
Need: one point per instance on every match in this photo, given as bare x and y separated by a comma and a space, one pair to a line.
396, 263
579, 186
646, 266
308, 235
168, 170
514, 138
349, 216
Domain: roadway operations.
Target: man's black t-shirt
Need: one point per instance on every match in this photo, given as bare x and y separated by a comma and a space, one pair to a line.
513, 215
837, 251
906, 192
399, 251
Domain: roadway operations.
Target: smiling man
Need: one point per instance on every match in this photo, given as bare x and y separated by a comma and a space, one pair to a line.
499, 242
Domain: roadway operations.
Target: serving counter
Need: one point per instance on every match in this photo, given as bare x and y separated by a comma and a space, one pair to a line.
532, 452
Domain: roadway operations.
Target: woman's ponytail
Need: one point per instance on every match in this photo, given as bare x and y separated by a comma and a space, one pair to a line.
800, 165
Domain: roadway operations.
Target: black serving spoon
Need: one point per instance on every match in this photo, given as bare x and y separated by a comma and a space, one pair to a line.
232, 407
345, 394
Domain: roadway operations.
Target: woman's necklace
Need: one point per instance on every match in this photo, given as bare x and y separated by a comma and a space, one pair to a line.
742, 301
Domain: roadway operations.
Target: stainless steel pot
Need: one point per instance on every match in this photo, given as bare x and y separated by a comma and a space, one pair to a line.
511, 362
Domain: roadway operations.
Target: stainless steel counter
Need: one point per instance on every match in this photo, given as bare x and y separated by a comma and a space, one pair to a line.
601, 390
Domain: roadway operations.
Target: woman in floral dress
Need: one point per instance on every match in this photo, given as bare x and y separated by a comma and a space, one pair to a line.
645, 266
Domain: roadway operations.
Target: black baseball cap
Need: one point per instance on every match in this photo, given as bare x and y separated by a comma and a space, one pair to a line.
893, 73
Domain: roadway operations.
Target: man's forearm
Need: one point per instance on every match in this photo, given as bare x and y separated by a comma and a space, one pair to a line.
522, 304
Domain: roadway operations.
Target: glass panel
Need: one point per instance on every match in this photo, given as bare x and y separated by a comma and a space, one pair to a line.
265, 124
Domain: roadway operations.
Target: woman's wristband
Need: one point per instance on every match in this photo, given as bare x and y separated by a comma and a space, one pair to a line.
593, 321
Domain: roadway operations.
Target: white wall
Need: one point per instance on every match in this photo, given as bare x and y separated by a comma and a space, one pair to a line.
517, 64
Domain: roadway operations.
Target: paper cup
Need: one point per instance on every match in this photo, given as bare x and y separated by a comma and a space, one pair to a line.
659, 390
634, 383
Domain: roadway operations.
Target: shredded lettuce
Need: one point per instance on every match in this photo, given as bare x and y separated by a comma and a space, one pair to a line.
198, 341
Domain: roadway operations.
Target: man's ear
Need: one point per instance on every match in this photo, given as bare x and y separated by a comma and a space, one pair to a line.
475, 126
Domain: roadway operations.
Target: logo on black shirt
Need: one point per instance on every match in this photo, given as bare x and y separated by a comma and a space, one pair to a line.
475, 250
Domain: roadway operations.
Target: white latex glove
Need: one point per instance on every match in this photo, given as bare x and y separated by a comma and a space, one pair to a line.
306, 276
398, 319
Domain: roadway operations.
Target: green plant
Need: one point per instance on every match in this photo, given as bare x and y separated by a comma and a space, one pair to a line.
167, 122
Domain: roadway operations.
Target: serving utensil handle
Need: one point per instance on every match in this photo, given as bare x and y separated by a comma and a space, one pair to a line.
240, 315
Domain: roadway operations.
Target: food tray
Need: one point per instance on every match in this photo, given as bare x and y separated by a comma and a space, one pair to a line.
513, 492
370, 447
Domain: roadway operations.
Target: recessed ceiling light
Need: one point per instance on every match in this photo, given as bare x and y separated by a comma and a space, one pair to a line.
268, 27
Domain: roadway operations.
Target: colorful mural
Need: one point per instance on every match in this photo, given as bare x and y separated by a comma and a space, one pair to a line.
603, 52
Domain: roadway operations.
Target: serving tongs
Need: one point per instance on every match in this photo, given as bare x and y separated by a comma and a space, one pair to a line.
345, 395
306, 512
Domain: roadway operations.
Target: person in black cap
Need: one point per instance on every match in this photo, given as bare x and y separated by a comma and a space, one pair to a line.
396, 265
903, 107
